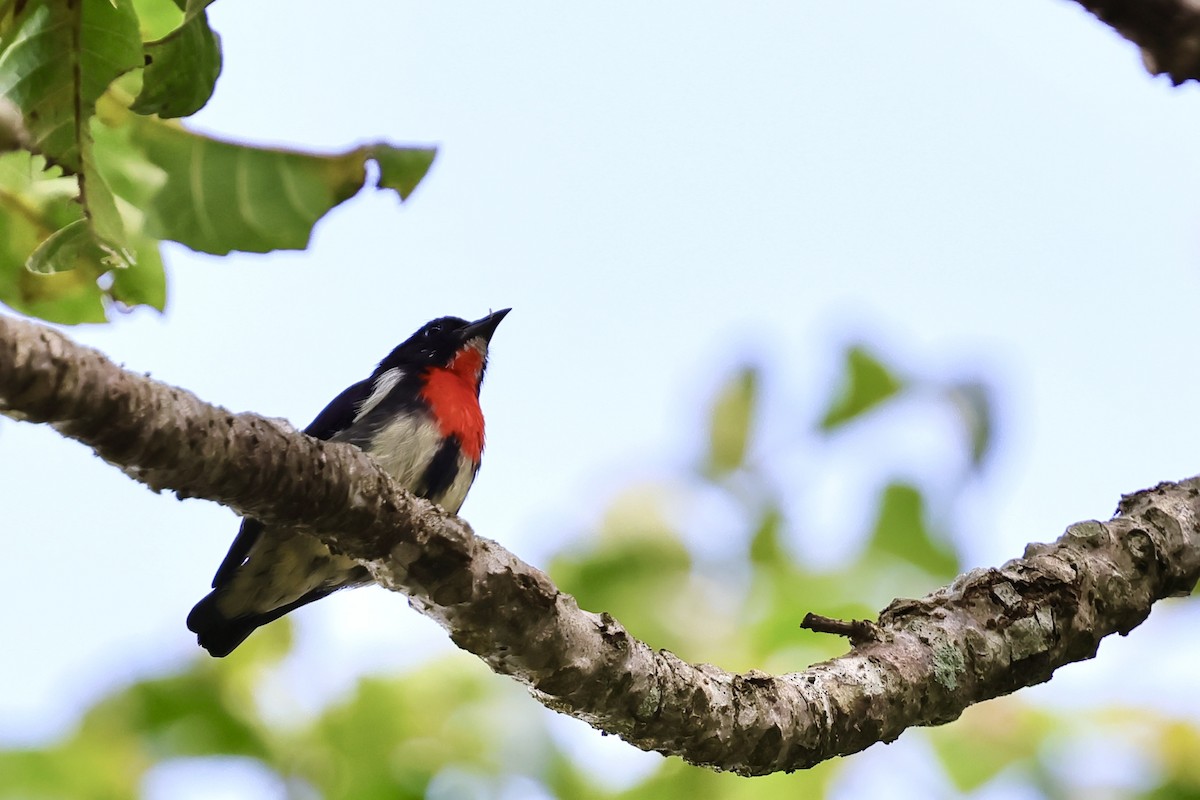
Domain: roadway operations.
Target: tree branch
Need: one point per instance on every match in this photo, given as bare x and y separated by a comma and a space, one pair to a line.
1167, 31
989, 633
858, 631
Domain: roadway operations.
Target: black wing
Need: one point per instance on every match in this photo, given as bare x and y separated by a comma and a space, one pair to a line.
336, 416
247, 535
340, 412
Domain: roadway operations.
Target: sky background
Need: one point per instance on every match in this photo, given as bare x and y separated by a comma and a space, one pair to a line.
661, 193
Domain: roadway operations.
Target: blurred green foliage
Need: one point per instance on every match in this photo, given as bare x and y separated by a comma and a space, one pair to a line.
94, 85
866, 382
901, 532
729, 426
451, 729
973, 402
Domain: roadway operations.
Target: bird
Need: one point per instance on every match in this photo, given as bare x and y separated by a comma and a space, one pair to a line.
418, 415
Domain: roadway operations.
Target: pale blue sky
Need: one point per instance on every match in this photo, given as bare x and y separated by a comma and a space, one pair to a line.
659, 191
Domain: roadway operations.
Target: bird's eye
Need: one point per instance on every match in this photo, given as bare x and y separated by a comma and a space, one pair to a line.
433, 329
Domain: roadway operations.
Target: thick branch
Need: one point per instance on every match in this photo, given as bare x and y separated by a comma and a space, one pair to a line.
1167, 31
990, 632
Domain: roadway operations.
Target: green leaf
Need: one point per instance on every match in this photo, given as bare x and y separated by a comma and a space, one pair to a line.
766, 545
104, 221
69, 298
402, 168
182, 67
56, 59
729, 425
50, 260
973, 402
220, 196
901, 531
144, 281
866, 383
157, 18
72, 247
34, 203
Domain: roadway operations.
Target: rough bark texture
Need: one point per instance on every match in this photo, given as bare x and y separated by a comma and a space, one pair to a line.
989, 633
1167, 31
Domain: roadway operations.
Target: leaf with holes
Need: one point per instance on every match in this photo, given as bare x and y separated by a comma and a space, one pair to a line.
181, 67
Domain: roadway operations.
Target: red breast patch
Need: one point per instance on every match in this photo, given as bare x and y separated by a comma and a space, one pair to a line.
453, 396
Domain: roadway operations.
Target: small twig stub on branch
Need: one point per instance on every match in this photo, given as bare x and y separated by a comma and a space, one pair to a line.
858, 631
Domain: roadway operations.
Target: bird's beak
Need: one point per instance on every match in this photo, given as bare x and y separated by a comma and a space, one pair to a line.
484, 328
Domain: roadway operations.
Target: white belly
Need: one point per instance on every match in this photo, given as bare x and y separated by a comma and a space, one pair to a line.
406, 445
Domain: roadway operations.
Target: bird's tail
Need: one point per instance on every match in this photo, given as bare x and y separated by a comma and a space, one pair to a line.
217, 633
220, 634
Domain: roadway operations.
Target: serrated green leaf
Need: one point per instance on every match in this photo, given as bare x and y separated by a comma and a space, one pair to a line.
220, 196
973, 402
181, 67
402, 168
730, 423
901, 531
866, 382
34, 204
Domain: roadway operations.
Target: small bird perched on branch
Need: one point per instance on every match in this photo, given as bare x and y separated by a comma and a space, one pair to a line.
418, 415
